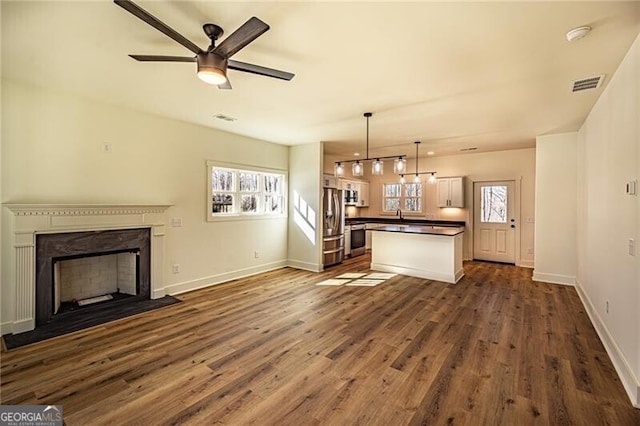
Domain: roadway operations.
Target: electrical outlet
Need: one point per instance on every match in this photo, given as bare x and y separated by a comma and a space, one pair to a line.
256, 254
530, 250
607, 306
632, 247
175, 268
107, 148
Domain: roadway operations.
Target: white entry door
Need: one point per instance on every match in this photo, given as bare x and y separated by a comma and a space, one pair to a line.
494, 233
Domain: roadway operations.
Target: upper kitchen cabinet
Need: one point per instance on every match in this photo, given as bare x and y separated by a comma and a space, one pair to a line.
363, 195
450, 192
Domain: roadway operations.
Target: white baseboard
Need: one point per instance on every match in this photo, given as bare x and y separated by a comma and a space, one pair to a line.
525, 264
222, 278
629, 381
306, 266
6, 328
554, 278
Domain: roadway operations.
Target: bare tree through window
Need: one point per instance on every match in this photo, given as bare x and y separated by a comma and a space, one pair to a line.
493, 207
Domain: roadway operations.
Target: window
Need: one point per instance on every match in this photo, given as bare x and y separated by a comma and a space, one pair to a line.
493, 206
236, 192
406, 197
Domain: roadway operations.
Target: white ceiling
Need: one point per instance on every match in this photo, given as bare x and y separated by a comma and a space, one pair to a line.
491, 75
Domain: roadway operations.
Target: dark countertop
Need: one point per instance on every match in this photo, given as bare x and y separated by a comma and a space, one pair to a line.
405, 221
448, 231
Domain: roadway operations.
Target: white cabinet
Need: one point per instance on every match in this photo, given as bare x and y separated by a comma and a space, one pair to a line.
450, 192
329, 181
363, 195
356, 192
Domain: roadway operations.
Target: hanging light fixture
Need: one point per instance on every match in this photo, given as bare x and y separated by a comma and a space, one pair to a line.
357, 169
399, 165
416, 178
377, 165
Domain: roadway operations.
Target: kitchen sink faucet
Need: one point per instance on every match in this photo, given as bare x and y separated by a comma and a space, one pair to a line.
399, 213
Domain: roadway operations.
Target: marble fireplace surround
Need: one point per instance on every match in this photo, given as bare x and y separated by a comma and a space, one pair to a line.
25, 221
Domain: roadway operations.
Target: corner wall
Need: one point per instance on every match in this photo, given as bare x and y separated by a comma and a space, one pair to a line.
305, 210
555, 234
608, 274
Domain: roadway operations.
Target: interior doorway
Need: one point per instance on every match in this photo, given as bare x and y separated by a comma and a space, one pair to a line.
494, 221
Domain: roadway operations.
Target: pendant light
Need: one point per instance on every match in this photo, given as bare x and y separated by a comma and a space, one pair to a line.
377, 165
399, 165
416, 179
416, 176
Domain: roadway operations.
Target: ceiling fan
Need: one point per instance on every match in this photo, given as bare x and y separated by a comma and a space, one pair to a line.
213, 62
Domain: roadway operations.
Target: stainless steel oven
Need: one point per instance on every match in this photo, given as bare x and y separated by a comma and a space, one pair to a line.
358, 239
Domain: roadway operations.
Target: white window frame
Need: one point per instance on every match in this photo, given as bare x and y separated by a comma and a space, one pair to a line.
236, 214
403, 197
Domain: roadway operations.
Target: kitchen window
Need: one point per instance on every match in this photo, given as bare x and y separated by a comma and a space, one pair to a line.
406, 197
238, 192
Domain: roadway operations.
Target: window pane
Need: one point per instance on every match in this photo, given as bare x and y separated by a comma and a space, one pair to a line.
413, 189
273, 204
248, 182
249, 204
391, 204
392, 190
493, 207
413, 204
222, 180
222, 203
272, 184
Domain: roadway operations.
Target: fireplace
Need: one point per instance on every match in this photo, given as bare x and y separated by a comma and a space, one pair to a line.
96, 230
85, 264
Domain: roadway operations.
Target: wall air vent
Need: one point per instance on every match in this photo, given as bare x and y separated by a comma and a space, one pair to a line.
587, 83
224, 117
473, 148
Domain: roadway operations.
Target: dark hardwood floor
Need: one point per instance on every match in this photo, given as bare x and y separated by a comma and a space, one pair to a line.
276, 349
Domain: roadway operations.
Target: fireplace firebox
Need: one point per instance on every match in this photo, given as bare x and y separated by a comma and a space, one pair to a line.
98, 249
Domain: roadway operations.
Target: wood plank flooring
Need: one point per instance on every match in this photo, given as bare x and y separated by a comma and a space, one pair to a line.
275, 349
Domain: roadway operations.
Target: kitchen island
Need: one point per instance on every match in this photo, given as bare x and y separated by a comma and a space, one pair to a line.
431, 252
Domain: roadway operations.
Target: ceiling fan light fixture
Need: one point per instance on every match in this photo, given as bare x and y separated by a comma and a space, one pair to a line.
211, 68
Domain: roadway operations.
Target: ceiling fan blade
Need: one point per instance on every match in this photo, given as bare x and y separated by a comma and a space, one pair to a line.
157, 58
257, 69
225, 85
139, 12
249, 31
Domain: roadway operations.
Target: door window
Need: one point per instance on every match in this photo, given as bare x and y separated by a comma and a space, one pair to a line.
493, 207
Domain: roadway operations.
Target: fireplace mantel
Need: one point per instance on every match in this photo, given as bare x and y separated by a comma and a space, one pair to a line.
23, 221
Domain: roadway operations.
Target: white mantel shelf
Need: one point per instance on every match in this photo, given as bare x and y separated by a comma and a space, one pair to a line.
25, 220
84, 209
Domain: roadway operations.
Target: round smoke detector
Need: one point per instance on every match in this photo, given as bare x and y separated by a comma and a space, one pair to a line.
578, 33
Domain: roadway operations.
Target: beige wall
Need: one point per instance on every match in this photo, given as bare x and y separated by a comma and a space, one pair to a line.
555, 234
52, 153
608, 158
516, 165
305, 210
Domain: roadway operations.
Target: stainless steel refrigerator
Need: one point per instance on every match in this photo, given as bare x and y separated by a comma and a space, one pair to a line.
332, 226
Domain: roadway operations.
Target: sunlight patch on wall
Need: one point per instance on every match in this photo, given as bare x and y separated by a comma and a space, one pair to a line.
305, 217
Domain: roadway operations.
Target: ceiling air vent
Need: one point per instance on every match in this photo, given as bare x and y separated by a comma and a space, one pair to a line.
468, 149
587, 83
